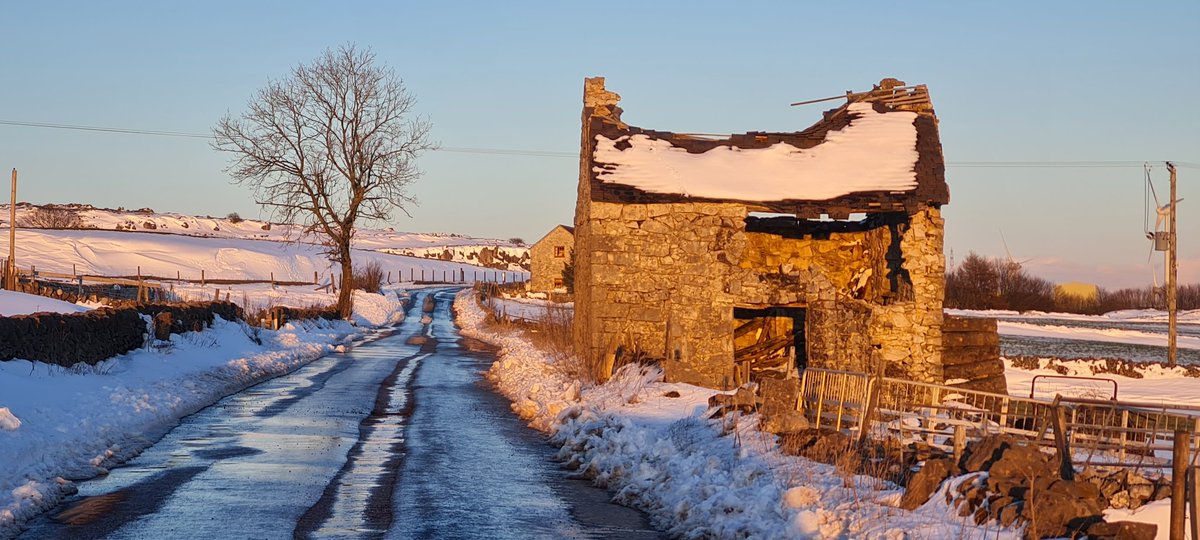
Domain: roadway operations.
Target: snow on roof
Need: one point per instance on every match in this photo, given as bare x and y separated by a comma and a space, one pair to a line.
875, 152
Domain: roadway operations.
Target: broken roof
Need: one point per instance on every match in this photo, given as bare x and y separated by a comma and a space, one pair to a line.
878, 152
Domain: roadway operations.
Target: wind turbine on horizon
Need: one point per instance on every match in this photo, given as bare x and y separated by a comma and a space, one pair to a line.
1013, 264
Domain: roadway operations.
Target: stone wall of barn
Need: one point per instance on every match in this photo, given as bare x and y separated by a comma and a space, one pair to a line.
661, 280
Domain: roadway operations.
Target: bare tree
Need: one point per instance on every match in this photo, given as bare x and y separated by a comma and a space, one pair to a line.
334, 143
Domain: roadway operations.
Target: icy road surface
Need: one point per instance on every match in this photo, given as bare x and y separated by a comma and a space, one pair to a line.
397, 438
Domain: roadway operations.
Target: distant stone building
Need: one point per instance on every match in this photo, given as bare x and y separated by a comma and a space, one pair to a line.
724, 257
548, 257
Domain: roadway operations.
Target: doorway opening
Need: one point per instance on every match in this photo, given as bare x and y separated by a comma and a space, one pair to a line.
769, 341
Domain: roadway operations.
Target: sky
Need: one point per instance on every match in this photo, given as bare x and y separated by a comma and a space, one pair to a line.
1098, 83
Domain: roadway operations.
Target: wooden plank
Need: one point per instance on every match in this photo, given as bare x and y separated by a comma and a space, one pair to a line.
750, 326
761, 350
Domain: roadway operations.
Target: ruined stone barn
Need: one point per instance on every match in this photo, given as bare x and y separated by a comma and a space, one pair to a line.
548, 257
731, 257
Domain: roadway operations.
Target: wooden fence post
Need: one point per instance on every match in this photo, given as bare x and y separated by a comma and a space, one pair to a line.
1058, 417
1194, 499
202, 277
1179, 465
864, 423
960, 442
316, 278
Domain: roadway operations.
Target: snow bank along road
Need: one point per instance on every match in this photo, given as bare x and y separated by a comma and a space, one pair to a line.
393, 439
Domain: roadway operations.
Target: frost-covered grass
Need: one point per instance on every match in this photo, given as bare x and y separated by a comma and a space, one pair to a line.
63, 424
696, 478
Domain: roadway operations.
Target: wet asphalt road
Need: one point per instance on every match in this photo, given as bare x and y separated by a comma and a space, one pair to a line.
397, 438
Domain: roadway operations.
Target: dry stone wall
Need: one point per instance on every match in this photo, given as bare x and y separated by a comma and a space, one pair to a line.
93, 336
67, 339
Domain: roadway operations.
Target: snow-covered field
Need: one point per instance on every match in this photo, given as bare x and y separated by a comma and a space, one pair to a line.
59, 425
251, 229
115, 253
15, 303
1135, 335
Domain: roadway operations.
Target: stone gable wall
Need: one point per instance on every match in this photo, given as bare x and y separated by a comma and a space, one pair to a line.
659, 284
544, 267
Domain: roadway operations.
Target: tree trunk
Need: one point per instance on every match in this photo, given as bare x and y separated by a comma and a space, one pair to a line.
345, 304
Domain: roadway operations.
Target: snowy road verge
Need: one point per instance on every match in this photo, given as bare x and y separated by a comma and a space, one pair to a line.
697, 478
63, 424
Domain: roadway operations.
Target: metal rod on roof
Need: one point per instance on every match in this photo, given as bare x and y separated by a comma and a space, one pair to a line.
851, 95
820, 100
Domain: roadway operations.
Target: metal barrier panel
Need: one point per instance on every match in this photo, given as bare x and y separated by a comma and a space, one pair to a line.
1099, 431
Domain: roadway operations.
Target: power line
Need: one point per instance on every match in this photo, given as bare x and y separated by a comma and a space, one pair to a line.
506, 152
1046, 164
575, 155
106, 129
133, 131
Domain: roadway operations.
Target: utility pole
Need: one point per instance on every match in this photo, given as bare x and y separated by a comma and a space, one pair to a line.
11, 271
1172, 263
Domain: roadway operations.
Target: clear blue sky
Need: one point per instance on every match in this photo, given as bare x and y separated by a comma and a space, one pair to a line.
1011, 81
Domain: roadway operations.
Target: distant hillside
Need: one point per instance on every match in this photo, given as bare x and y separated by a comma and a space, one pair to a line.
485, 252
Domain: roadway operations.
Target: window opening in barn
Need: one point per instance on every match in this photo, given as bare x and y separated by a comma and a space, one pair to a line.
560, 252
769, 340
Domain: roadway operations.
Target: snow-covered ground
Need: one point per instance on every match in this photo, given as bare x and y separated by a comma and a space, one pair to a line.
461, 247
529, 309
1107, 335
1125, 315
657, 453
15, 303
63, 424
114, 253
